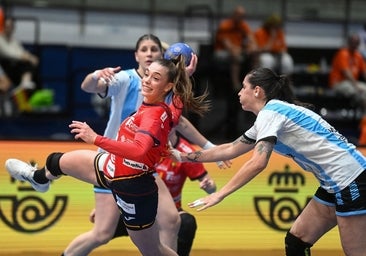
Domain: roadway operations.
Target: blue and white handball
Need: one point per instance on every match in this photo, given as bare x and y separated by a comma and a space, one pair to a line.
177, 49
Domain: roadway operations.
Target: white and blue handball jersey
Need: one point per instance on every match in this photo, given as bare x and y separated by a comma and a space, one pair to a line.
311, 142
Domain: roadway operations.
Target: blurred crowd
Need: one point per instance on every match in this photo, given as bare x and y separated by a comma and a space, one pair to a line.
238, 47
18, 70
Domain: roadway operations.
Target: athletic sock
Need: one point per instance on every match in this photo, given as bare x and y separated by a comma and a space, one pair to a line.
39, 176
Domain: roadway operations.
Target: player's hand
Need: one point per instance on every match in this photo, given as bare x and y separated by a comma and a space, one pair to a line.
106, 75
191, 68
175, 155
224, 164
208, 185
83, 131
221, 164
206, 202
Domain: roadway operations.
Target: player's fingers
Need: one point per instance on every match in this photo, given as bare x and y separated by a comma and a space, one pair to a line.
225, 164
202, 208
194, 60
75, 124
198, 202
103, 80
176, 154
116, 69
220, 164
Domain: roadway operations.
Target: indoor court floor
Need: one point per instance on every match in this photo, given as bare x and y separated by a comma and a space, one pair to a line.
193, 253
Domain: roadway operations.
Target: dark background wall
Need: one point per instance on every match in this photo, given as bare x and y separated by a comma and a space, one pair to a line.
73, 38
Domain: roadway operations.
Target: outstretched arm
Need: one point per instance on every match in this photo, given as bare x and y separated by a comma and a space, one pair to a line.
186, 128
221, 152
246, 173
142, 141
98, 81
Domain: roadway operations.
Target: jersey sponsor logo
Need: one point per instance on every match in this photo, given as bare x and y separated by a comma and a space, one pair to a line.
130, 124
163, 117
126, 207
135, 165
111, 166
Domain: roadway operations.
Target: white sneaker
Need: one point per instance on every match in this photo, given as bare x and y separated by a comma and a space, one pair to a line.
24, 172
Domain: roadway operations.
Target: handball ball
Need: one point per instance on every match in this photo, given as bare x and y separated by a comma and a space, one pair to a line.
177, 49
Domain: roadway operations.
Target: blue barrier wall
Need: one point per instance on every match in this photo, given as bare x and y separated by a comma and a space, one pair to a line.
62, 68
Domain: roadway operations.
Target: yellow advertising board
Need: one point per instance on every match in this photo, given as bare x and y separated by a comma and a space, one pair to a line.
255, 217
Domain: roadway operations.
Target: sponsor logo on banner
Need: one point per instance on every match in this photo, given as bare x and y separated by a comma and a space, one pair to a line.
28, 212
279, 209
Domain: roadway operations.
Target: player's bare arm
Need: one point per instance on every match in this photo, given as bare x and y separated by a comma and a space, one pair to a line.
223, 152
242, 145
264, 148
246, 173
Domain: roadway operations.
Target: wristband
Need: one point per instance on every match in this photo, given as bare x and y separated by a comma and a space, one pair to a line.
208, 145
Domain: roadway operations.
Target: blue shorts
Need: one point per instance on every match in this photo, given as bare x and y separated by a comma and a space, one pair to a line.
137, 199
348, 202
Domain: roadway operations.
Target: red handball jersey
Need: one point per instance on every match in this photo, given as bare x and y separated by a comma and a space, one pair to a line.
174, 174
141, 142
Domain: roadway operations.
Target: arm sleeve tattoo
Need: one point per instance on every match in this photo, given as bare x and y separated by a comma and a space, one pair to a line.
244, 140
194, 156
265, 147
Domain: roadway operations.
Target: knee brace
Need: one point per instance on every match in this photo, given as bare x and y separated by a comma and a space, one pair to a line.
186, 233
53, 164
296, 247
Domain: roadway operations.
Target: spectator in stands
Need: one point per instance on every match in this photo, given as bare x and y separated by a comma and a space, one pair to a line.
5, 86
272, 47
18, 63
2, 19
234, 47
234, 43
348, 67
362, 46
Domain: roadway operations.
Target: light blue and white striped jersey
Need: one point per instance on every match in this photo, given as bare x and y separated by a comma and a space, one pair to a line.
312, 143
126, 98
